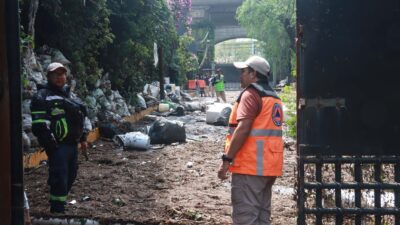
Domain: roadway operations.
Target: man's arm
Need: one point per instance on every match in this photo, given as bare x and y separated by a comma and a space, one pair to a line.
40, 127
240, 135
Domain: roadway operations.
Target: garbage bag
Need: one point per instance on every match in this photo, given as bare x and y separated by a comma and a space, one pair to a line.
223, 119
166, 132
109, 130
218, 114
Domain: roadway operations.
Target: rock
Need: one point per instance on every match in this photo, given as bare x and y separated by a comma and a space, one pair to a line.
26, 142
38, 77
57, 56
141, 102
98, 93
26, 106
108, 116
122, 108
87, 125
105, 104
26, 122
34, 140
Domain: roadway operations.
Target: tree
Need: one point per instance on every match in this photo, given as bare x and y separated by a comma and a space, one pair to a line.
181, 13
275, 27
79, 31
137, 25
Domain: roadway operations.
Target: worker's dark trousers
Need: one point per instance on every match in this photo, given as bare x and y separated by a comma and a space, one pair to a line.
63, 167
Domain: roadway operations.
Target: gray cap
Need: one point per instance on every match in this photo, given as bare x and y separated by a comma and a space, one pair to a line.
54, 66
258, 63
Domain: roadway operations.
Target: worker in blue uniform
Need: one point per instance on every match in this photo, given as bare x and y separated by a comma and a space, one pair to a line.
58, 123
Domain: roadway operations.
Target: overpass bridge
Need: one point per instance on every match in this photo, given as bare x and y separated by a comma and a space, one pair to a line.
222, 14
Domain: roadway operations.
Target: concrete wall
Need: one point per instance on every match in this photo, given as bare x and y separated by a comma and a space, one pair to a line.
229, 32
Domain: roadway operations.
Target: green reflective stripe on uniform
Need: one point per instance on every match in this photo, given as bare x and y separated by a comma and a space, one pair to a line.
65, 128
260, 158
58, 198
39, 121
57, 111
38, 112
260, 133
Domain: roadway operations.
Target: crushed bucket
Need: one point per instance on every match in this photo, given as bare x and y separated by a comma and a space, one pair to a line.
133, 140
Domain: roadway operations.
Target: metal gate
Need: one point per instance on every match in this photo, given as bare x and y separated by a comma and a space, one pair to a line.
348, 111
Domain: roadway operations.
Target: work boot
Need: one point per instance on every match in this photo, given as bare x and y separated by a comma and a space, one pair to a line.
57, 207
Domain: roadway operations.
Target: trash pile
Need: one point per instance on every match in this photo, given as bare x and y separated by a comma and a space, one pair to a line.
107, 108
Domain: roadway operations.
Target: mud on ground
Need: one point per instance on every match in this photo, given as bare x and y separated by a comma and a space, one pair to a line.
176, 184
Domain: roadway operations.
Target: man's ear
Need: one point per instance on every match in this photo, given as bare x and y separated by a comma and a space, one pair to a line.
253, 74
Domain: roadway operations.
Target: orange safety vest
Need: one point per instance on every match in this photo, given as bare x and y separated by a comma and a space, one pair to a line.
262, 152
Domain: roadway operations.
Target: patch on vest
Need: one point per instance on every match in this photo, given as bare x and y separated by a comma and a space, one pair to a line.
277, 114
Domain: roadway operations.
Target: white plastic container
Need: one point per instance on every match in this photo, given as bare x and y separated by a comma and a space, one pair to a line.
214, 112
163, 107
133, 140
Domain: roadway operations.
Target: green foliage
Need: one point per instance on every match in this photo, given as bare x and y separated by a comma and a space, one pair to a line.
137, 25
115, 37
79, 31
202, 31
288, 97
275, 27
185, 63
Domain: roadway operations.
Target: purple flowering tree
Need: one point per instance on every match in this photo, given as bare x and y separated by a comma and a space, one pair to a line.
181, 13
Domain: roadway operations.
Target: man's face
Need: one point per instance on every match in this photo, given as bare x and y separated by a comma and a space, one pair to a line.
246, 77
58, 77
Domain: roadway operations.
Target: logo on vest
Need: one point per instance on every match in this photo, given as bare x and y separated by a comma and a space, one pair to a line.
277, 114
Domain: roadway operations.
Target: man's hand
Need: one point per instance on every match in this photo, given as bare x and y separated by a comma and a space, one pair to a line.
223, 170
84, 147
27, 217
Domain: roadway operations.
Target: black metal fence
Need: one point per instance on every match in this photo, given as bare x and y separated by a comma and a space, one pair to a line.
349, 201
348, 112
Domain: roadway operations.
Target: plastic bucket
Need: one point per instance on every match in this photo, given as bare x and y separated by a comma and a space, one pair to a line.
216, 111
133, 140
163, 107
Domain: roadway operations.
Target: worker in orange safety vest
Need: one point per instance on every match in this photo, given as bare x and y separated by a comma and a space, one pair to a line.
254, 145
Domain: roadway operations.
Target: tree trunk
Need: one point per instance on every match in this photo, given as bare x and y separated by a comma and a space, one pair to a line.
33, 8
161, 72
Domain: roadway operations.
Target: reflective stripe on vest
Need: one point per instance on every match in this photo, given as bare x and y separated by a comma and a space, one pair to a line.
259, 133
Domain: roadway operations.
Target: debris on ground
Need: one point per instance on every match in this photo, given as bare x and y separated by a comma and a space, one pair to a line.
167, 184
